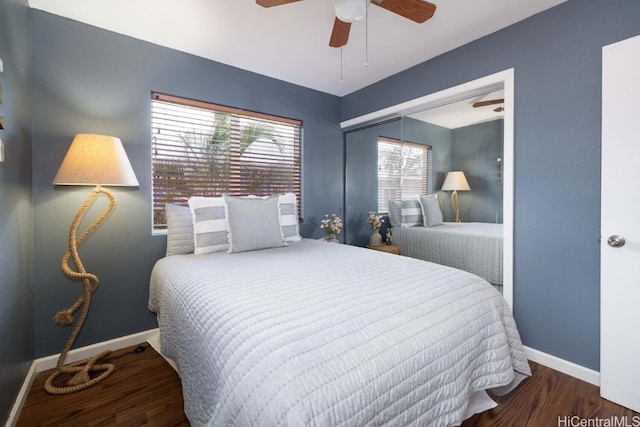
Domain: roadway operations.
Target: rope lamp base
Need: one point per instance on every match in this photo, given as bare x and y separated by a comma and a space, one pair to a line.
82, 379
81, 369
456, 205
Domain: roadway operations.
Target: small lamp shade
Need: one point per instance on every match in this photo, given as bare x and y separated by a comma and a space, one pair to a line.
350, 10
96, 160
455, 181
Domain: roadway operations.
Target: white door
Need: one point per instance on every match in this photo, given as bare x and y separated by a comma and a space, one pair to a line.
620, 259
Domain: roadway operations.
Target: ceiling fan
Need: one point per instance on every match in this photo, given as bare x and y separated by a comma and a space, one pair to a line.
490, 102
348, 11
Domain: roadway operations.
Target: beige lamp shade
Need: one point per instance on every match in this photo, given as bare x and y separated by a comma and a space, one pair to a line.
96, 160
455, 181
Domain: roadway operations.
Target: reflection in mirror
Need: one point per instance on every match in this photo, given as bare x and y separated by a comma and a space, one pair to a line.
466, 135
476, 135
361, 177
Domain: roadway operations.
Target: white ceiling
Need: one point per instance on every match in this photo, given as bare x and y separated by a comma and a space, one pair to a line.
291, 42
462, 113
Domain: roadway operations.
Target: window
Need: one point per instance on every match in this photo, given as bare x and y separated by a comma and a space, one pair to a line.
403, 170
208, 150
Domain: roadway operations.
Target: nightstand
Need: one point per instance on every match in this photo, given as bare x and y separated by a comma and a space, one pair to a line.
391, 249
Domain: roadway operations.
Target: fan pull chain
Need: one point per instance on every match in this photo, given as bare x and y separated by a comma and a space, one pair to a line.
366, 35
341, 65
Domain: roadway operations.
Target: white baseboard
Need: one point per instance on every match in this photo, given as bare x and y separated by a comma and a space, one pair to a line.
48, 362
22, 397
564, 366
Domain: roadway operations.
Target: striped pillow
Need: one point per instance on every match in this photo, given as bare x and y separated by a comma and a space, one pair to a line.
210, 224
411, 213
288, 208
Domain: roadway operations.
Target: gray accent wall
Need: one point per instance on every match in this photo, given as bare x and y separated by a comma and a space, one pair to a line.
556, 56
16, 237
475, 150
87, 79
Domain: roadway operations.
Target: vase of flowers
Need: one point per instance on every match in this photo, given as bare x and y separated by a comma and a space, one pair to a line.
376, 222
332, 226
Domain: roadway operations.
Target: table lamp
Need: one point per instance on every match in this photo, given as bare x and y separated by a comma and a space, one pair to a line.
455, 181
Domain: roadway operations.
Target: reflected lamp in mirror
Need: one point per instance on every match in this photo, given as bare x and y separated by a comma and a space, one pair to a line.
91, 160
455, 181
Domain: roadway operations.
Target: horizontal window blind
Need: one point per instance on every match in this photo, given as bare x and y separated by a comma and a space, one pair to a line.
202, 149
403, 170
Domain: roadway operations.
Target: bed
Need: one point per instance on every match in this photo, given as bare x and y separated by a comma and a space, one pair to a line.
475, 247
325, 334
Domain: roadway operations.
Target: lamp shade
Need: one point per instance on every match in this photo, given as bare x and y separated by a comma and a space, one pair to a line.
455, 181
96, 160
350, 10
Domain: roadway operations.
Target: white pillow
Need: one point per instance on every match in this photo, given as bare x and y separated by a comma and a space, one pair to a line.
431, 210
210, 224
179, 230
254, 223
395, 213
288, 210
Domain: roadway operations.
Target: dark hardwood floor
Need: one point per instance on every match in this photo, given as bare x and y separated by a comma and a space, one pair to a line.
145, 390
551, 398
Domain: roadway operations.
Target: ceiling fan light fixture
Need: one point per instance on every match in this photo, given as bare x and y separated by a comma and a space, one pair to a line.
350, 10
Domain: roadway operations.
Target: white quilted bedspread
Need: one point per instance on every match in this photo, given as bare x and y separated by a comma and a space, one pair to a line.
475, 247
323, 334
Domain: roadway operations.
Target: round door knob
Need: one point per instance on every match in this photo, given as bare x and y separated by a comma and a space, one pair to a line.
616, 241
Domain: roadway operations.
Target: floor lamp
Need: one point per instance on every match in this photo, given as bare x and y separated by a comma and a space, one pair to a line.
455, 181
91, 160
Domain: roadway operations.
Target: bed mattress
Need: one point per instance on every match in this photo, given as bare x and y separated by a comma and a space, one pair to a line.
326, 334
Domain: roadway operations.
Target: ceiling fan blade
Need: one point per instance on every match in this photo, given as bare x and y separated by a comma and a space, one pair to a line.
270, 3
340, 33
415, 10
489, 102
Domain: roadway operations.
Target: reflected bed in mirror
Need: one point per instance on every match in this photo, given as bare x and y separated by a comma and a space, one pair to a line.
467, 128
475, 247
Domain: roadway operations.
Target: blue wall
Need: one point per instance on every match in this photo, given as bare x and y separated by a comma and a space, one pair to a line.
475, 150
557, 60
16, 307
90, 80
